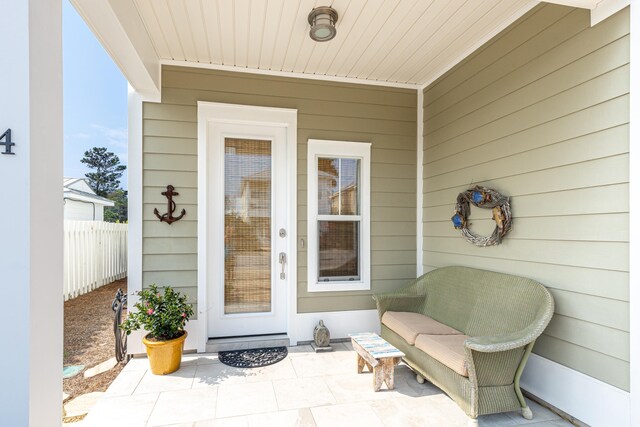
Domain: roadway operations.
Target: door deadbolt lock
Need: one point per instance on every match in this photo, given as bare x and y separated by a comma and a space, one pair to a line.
282, 233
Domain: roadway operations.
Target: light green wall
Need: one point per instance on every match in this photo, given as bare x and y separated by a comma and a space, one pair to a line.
541, 113
386, 117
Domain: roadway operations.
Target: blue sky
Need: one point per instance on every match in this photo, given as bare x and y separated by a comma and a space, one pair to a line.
95, 97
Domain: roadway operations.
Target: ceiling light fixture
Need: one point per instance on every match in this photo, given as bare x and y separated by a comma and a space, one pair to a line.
323, 23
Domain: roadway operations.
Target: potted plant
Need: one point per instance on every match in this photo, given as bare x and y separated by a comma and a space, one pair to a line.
164, 318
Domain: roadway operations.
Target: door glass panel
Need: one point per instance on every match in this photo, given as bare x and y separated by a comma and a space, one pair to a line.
247, 230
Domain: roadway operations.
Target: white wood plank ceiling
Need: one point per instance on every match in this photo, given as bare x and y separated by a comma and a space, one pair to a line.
402, 41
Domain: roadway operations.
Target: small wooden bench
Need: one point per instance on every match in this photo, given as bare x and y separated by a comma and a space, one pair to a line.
379, 356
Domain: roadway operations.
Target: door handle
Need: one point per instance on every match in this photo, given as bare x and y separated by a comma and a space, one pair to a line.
282, 258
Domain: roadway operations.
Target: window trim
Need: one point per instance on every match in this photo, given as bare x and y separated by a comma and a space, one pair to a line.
338, 149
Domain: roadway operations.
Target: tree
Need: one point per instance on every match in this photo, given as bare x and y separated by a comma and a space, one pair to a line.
119, 212
108, 170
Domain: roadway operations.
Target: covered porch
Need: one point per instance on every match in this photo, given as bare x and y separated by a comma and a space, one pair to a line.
536, 99
305, 389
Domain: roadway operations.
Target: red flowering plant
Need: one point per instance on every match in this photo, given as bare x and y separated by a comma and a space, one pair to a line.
162, 315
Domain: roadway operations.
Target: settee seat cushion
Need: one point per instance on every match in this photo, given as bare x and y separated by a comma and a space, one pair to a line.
446, 349
409, 325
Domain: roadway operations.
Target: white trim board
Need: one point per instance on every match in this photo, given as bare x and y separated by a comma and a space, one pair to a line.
600, 9
339, 323
274, 319
606, 8
419, 185
194, 328
634, 220
348, 150
583, 4
213, 112
289, 74
134, 268
581, 396
119, 28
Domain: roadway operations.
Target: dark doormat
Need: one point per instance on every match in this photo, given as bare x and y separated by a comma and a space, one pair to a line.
253, 358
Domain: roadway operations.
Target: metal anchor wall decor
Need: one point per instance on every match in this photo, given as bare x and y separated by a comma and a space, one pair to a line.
171, 207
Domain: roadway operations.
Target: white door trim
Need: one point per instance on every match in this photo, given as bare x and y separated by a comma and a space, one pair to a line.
221, 324
212, 112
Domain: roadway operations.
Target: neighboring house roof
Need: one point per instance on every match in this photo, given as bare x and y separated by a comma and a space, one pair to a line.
264, 175
78, 189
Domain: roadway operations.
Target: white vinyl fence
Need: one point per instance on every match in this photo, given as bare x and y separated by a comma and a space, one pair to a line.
95, 254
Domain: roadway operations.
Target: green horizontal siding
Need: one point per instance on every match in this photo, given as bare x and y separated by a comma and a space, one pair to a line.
386, 117
541, 113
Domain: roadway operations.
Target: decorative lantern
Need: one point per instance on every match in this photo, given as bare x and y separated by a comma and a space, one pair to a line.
321, 338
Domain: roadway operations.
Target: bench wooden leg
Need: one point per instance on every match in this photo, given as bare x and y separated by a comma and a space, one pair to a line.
360, 363
378, 377
388, 368
384, 373
381, 367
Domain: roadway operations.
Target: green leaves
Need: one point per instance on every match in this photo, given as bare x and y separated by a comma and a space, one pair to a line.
119, 212
105, 181
108, 170
162, 315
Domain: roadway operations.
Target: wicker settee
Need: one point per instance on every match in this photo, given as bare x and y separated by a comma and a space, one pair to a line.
497, 318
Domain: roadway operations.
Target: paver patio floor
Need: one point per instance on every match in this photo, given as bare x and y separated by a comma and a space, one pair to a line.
305, 389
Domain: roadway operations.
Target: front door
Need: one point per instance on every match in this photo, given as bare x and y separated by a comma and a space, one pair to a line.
248, 290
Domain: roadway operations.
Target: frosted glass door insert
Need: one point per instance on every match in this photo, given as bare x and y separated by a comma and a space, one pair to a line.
247, 226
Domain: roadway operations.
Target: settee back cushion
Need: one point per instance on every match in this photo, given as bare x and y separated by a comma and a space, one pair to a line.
479, 302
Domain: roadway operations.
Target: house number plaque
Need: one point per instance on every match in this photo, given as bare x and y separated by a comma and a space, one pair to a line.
5, 139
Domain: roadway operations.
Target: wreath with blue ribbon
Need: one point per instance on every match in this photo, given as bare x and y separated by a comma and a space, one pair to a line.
485, 198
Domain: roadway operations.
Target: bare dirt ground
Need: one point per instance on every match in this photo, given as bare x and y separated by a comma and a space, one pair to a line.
89, 339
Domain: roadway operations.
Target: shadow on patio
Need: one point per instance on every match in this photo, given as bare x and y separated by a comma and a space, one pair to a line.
305, 389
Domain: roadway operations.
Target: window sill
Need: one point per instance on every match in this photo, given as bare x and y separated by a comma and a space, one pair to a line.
338, 286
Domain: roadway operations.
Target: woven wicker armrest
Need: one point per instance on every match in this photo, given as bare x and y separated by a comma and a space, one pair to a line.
495, 343
398, 302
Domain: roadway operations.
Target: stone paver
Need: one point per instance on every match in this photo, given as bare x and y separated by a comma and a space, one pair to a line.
82, 404
297, 418
306, 389
184, 406
346, 414
182, 379
130, 411
245, 399
101, 367
302, 393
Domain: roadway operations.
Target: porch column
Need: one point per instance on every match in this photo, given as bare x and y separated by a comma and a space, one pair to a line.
31, 238
634, 217
134, 270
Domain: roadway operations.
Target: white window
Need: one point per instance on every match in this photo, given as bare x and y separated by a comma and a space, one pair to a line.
338, 229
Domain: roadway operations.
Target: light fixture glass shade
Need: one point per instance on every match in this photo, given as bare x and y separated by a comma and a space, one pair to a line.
323, 20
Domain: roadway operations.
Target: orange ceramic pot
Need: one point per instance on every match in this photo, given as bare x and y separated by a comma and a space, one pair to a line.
165, 356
